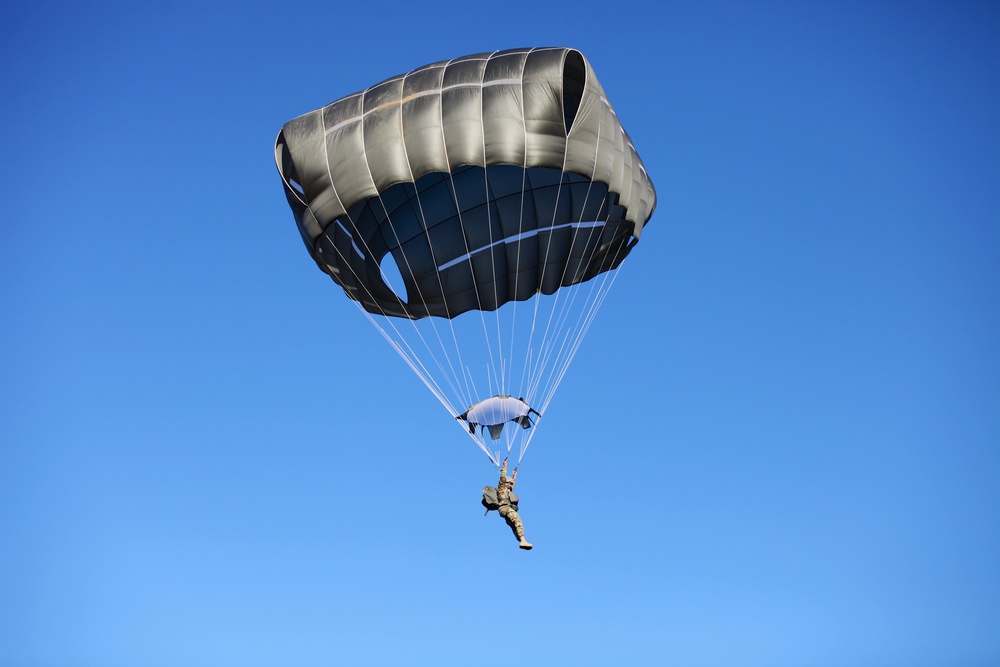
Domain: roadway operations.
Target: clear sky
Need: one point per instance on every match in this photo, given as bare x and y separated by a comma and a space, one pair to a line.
779, 445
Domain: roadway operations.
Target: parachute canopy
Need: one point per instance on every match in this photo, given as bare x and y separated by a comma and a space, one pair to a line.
472, 185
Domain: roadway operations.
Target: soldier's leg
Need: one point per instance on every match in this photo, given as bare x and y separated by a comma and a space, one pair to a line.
513, 520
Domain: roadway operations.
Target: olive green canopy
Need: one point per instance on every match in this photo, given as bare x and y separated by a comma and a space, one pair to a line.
484, 179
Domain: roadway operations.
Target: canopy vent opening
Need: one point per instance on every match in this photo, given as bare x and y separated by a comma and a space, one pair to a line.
393, 277
574, 81
287, 166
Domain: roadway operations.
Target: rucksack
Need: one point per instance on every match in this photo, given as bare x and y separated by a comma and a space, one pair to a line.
491, 502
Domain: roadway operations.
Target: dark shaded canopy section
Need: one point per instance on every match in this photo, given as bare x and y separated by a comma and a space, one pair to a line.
475, 239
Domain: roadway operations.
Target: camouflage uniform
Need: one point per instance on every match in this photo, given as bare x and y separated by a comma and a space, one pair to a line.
507, 510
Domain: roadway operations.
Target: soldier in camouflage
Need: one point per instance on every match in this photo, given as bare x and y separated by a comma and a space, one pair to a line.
508, 507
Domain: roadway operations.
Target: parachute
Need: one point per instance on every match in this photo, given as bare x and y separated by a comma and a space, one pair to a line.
477, 210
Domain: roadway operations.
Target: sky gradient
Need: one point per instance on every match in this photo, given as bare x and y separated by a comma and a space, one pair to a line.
778, 445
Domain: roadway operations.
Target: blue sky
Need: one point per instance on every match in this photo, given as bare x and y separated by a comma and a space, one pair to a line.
779, 444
